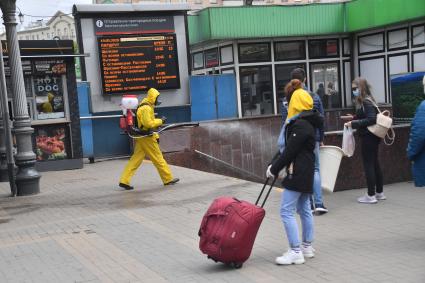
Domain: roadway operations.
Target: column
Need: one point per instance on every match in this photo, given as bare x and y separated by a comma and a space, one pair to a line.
27, 177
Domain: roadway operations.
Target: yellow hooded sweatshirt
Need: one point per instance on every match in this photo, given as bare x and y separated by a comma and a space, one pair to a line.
300, 101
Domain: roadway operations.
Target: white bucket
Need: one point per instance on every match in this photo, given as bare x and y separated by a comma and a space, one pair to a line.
330, 159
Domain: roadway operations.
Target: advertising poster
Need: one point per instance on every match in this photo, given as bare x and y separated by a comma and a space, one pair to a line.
51, 142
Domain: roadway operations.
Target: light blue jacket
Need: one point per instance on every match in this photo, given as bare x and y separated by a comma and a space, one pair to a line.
416, 146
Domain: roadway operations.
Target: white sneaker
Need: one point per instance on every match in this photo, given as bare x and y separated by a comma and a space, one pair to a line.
380, 196
291, 257
308, 251
367, 199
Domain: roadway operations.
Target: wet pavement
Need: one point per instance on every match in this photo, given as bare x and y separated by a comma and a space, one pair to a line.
83, 228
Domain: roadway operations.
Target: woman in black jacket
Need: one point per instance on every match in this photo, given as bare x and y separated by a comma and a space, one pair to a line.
298, 158
366, 116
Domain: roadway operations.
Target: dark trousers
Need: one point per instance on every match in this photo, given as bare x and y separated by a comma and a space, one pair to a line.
370, 144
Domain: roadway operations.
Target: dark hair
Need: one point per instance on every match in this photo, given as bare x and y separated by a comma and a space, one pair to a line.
291, 87
299, 74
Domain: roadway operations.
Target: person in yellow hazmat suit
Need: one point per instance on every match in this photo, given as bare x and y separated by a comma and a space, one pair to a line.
148, 145
47, 107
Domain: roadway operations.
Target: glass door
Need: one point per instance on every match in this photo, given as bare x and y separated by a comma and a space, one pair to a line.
325, 82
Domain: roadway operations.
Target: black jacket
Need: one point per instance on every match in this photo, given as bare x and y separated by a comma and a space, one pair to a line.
299, 150
365, 116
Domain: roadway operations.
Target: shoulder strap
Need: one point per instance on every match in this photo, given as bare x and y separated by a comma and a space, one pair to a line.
374, 104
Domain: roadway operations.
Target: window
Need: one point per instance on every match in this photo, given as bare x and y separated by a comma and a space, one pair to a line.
418, 35
283, 76
211, 58
371, 43
323, 48
398, 39
291, 50
197, 61
254, 52
226, 55
48, 35
256, 90
418, 61
346, 47
374, 69
325, 82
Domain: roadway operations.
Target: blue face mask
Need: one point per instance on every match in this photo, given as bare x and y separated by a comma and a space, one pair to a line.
356, 92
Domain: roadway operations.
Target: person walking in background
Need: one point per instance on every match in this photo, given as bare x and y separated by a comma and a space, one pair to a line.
416, 146
366, 116
317, 203
298, 158
147, 145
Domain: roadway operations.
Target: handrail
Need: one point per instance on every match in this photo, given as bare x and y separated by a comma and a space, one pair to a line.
100, 117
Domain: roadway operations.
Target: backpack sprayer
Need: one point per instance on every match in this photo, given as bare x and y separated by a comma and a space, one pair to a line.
129, 102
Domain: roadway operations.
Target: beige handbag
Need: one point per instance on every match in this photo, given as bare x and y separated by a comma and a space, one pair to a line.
383, 128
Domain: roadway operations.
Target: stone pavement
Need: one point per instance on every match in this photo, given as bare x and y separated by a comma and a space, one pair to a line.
82, 228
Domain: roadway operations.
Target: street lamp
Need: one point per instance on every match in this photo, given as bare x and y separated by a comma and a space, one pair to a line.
27, 177
20, 16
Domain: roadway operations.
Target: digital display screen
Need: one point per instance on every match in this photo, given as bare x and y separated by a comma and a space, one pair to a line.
134, 63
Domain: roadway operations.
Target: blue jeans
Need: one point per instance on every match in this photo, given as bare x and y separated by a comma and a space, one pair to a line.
317, 182
300, 202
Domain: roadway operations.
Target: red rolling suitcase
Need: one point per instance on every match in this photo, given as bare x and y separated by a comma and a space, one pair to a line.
229, 227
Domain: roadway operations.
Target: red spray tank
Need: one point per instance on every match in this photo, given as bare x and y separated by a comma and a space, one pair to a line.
129, 102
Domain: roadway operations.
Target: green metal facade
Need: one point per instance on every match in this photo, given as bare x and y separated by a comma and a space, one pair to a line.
365, 14
301, 20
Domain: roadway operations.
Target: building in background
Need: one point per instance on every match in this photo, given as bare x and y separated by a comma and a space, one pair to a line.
60, 26
334, 45
199, 4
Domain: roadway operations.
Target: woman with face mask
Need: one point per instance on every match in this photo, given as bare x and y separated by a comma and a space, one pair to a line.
366, 116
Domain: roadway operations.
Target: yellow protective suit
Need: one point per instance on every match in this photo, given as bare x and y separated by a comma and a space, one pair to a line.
300, 101
47, 107
147, 145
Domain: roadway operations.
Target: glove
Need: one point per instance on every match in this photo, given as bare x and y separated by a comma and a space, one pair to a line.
163, 118
282, 174
268, 173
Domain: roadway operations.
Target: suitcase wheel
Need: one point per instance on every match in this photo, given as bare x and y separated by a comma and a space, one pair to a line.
236, 265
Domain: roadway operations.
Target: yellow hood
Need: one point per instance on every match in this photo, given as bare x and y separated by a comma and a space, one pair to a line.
300, 101
151, 97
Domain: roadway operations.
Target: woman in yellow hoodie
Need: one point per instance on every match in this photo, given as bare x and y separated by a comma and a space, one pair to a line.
147, 145
298, 159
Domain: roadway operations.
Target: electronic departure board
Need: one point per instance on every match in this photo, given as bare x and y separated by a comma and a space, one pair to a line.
138, 62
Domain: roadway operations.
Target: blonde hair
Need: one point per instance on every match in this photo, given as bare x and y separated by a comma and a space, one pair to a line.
364, 90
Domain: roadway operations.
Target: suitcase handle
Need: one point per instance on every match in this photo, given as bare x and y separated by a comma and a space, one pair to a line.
268, 193
207, 217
